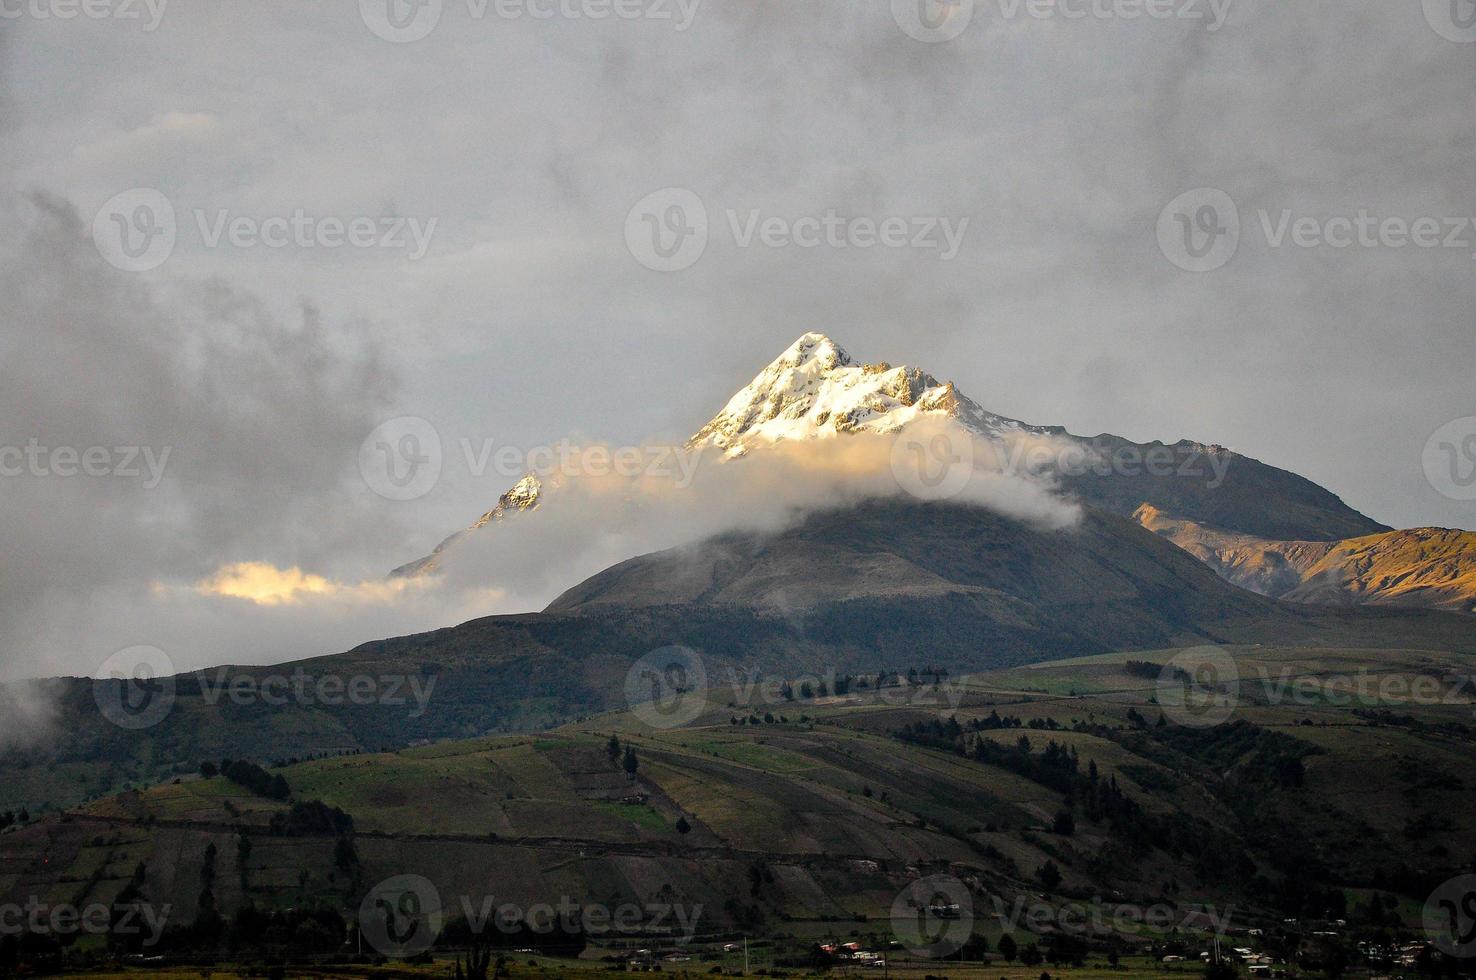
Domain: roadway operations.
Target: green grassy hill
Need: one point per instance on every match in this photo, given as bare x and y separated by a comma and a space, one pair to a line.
1304, 803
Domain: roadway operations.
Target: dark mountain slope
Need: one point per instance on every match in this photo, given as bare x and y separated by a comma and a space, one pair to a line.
886, 585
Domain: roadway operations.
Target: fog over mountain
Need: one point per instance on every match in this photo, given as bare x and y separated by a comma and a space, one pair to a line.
527, 319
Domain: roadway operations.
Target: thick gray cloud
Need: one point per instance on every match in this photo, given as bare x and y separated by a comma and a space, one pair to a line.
151, 436
529, 140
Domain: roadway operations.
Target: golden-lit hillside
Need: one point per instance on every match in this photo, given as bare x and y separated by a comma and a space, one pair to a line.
1429, 567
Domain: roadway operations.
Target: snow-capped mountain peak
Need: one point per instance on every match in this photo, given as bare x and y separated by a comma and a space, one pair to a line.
814, 389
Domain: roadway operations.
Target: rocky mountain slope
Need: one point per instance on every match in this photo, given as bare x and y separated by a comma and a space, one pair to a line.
1430, 567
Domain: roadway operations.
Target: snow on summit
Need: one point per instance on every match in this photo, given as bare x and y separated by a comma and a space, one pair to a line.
815, 389
812, 390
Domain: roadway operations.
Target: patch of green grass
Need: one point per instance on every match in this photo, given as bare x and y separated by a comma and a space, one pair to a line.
639, 814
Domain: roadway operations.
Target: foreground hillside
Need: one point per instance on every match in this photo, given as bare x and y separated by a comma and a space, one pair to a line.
801, 819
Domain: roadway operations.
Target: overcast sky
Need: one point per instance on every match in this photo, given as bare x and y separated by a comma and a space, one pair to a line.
502, 154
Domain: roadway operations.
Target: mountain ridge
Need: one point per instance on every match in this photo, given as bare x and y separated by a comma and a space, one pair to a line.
1426, 567
815, 390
